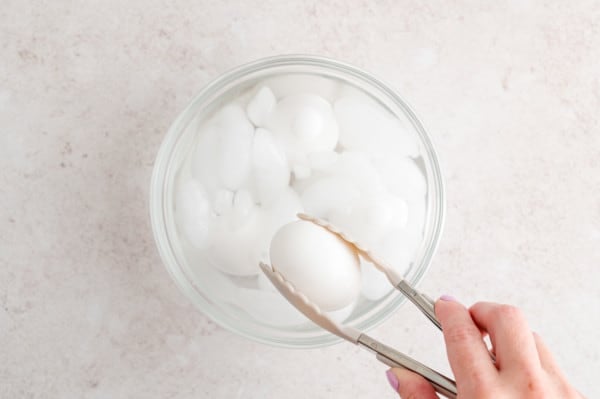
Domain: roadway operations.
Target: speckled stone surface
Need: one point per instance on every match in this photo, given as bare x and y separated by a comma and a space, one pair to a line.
510, 92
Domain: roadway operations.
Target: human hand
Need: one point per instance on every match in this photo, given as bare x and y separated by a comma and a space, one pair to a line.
524, 366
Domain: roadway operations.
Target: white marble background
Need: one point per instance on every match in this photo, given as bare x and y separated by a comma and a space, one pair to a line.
509, 90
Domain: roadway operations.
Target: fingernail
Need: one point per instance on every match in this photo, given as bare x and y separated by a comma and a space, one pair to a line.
392, 379
448, 298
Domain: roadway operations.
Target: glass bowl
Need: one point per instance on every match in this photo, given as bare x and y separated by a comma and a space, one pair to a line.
176, 145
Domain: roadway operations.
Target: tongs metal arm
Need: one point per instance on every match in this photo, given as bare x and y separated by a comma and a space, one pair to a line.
442, 384
421, 301
425, 304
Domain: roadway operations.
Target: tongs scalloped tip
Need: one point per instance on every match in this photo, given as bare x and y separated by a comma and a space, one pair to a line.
393, 277
307, 307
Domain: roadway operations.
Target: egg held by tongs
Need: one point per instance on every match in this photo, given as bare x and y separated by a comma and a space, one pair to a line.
318, 263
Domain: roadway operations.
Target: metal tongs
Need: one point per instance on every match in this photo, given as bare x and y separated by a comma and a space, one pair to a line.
389, 356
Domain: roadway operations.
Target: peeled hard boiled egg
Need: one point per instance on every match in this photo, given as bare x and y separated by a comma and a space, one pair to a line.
318, 263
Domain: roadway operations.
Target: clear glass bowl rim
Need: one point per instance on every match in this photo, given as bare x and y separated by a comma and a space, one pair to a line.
157, 201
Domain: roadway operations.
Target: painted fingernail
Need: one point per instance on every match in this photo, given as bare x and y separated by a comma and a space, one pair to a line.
448, 298
392, 379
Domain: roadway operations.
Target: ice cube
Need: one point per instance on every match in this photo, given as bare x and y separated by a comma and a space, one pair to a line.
233, 150
243, 208
271, 172
193, 213
204, 158
282, 211
369, 220
375, 284
358, 121
301, 171
397, 249
322, 159
399, 211
330, 194
223, 202
237, 249
357, 166
367, 127
402, 177
416, 217
260, 106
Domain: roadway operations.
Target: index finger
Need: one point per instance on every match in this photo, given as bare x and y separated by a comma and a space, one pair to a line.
467, 353
510, 334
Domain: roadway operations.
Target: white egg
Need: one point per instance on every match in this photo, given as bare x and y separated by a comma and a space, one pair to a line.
305, 123
318, 263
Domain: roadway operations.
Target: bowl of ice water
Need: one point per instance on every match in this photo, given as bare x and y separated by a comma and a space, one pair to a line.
278, 137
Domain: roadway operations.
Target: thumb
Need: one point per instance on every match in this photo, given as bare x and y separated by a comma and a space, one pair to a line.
410, 385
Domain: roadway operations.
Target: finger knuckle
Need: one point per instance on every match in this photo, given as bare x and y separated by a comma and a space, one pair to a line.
461, 334
477, 377
534, 384
536, 390
478, 305
510, 313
